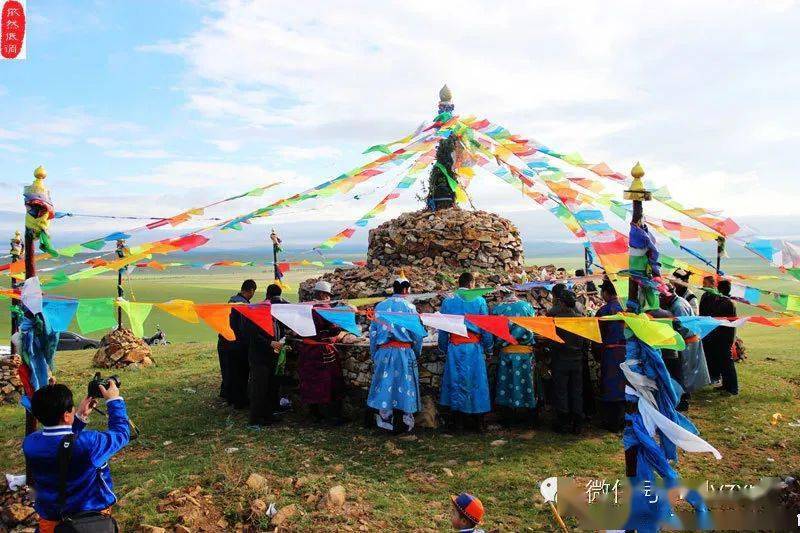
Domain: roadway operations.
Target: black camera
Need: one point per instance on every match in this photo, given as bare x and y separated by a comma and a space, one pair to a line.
94, 385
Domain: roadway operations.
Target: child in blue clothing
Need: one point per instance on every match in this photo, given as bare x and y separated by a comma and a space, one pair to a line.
88, 482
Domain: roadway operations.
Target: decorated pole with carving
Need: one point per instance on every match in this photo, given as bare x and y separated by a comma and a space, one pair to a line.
121, 252
442, 183
38, 214
17, 249
276, 247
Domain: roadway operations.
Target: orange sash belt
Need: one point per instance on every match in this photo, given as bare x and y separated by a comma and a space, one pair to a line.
396, 344
471, 338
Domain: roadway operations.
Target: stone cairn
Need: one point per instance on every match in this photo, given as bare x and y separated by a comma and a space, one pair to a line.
10, 384
122, 349
433, 248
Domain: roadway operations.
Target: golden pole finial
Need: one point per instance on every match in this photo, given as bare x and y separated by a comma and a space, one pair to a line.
444, 94
637, 192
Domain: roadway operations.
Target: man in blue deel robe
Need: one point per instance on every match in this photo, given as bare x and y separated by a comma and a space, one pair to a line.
395, 342
465, 387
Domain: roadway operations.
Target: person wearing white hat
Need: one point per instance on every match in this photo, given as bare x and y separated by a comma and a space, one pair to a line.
318, 364
395, 342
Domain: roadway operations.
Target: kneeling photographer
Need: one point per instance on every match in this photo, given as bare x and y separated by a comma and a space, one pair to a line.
69, 465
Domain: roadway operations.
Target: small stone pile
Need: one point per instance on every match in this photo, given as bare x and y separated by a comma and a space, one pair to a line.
122, 349
10, 384
16, 510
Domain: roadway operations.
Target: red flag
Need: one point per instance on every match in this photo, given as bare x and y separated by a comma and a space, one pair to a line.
188, 242
260, 315
496, 325
25, 377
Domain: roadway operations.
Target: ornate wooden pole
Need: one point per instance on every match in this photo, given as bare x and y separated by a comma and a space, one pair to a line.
38, 212
276, 247
441, 194
120, 291
638, 194
720, 252
17, 248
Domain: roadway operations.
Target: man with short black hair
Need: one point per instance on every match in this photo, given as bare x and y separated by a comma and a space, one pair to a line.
88, 486
719, 343
611, 354
566, 365
263, 354
233, 364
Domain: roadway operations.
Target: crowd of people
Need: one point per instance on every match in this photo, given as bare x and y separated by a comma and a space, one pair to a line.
575, 380
68, 464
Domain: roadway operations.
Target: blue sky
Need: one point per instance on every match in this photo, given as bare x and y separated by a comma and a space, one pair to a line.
149, 108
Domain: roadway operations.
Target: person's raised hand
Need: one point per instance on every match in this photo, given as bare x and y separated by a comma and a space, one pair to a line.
86, 407
111, 392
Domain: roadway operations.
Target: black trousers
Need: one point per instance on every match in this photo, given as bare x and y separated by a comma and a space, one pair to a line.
711, 349
264, 389
613, 415
239, 377
568, 388
223, 351
730, 381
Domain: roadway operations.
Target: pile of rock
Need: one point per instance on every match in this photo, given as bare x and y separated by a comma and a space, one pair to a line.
448, 238
16, 510
122, 349
376, 280
10, 384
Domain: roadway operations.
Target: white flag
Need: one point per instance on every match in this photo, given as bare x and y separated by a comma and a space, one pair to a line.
296, 317
31, 295
449, 323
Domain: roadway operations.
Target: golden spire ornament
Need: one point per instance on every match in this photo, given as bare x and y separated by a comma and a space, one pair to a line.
638, 192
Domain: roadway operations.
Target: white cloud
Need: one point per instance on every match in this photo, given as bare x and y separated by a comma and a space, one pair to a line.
299, 153
226, 145
140, 154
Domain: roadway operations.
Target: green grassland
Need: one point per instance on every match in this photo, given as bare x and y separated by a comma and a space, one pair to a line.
399, 486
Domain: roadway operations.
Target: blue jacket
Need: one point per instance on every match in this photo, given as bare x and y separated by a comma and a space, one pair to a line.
89, 485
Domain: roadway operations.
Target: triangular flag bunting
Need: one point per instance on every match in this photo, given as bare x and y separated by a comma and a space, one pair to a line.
260, 315
410, 321
494, 324
541, 325
585, 327
296, 317
218, 316
137, 314
450, 323
345, 319
58, 314
95, 314
183, 309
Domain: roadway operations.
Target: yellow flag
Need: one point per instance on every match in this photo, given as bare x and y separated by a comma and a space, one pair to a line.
584, 326
183, 309
541, 325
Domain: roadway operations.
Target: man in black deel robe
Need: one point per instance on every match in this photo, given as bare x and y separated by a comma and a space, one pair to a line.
263, 353
233, 354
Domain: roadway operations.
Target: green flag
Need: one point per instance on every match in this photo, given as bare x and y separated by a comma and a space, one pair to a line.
94, 245
378, 148
95, 314
60, 278
137, 314
471, 294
